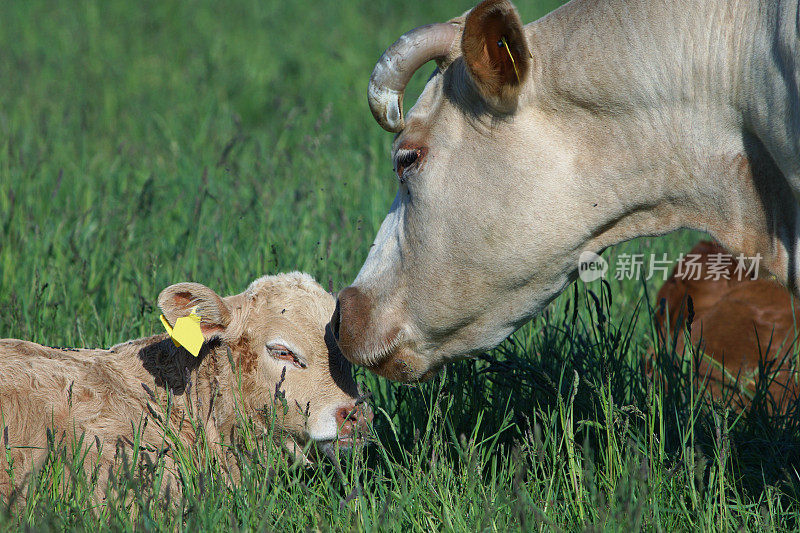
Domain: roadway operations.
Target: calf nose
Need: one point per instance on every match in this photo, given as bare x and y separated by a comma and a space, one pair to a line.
345, 414
350, 418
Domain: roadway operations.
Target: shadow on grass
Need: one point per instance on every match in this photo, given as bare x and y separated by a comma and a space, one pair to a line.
625, 397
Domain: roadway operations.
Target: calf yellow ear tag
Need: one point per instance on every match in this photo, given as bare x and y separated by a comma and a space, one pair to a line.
186, 332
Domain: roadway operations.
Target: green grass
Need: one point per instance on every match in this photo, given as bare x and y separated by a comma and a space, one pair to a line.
146, 143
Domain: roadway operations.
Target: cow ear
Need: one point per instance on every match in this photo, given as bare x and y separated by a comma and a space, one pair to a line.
496, 52
178, 300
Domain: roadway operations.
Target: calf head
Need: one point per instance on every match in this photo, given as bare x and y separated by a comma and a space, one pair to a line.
286, 360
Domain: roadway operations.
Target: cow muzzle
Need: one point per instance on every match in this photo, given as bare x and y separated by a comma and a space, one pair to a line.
379, 343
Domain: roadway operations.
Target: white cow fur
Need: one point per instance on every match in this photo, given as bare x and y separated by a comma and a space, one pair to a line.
638, 117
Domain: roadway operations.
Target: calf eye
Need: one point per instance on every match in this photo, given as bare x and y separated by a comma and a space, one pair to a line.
279, 351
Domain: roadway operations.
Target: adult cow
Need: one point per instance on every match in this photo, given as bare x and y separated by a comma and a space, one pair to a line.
603, 121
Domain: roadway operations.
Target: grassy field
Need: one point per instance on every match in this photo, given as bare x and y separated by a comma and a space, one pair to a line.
146, 143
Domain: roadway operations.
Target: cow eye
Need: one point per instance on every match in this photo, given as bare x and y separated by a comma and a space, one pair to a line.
405, 159
279, 351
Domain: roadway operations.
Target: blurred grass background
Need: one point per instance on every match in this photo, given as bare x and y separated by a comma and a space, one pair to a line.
143, 144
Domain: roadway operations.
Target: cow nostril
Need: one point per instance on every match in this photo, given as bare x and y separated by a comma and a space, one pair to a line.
335, 321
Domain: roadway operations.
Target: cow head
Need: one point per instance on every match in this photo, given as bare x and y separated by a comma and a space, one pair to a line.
475, 242
278, 335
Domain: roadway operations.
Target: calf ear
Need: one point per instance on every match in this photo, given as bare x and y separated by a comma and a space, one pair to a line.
496, 52
178, 300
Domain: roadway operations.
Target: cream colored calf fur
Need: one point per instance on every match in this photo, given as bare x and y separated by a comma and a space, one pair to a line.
276, 334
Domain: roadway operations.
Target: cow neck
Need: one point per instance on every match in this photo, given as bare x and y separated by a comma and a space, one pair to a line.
614, 57
646, 102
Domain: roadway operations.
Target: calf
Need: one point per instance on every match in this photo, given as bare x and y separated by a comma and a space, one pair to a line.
266, 352
742, 323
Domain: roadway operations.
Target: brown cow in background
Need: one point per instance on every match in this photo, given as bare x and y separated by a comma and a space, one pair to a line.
740, 321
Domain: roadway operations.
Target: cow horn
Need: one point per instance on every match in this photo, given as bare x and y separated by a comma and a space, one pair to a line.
398, 64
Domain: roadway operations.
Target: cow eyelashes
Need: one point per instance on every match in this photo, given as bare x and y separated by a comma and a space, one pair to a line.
404, 159
279, 351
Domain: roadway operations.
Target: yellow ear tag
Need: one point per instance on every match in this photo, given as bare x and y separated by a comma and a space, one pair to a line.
504, 44
186, 332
